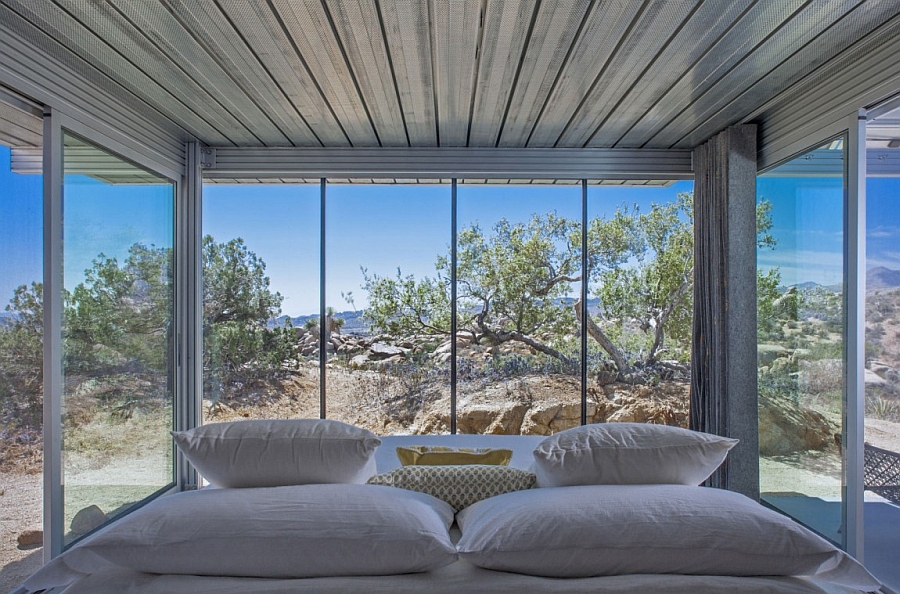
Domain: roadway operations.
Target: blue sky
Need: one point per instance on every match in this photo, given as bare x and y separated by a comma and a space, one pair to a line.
384, 227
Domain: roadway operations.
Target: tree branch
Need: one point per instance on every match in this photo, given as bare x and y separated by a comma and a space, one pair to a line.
595, 332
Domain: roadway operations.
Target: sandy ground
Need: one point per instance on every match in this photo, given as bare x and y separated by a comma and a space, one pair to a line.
20, 509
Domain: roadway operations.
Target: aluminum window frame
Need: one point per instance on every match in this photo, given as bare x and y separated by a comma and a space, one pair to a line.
56, 124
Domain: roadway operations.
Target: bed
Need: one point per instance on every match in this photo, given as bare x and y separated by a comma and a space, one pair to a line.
675, 565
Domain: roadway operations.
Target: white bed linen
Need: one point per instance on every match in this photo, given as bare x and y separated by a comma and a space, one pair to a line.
84, 572
453, 579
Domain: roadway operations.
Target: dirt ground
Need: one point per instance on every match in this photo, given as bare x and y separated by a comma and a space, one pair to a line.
20, 509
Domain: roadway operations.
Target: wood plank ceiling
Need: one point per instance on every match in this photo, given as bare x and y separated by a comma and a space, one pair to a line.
449, 73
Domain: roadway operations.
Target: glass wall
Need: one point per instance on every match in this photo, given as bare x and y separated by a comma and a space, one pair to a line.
882, 366
518, 280
388, 306
640, 303
118, 338
21, 368
260, 301
801, 328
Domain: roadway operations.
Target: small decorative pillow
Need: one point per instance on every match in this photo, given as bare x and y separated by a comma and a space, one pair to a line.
458, 485
273, 453
628, 454
444, 456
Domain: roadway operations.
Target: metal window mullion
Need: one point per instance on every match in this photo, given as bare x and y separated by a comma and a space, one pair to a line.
453, 238
584, 298
189, 300
323, 354
855, 320
53, 345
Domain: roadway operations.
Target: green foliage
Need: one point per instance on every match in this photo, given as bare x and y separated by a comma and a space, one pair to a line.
21, 361
237, 306
122, 315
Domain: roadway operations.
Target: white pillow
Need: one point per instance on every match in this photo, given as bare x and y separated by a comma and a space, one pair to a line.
628, 454
283, 532
603, 530
271, 453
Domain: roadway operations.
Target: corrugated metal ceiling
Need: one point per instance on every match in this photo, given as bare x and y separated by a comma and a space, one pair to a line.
450, 73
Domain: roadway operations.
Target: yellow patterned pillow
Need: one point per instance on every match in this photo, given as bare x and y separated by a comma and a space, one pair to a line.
458, 485
443, 456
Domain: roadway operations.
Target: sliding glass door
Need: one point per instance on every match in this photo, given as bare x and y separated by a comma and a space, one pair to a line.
118, 337
802, 325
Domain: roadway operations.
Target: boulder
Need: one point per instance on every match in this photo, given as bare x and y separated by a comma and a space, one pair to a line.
87, 519
767, 353
379, 350
359, 360
872, 379
30, 538
786, 427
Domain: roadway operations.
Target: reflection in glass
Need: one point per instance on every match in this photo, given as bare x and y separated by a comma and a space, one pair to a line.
260, 301
640, 307
118, 338
801, 321
518, 340
388, 316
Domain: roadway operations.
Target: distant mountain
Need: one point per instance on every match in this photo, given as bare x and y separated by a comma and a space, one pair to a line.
882, 278
811, 285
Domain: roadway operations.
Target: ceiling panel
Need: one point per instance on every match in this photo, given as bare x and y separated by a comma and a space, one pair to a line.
459, 73
747, 31
556, 58
359, 28
408, 38
457, 33
261, 29
607, 25
688, 45
308, 24
777, 51
210, 28
649, 35
505, 32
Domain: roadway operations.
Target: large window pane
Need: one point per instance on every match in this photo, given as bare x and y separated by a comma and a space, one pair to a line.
260, 292
118, 335
388, 316
800, 337
882, 372
640, 247
519, 340
21, 371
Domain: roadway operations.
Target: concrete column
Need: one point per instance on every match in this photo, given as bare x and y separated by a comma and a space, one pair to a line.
724, 387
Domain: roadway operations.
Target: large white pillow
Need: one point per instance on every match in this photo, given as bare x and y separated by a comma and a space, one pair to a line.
603, 530
628, 454
284, 532
271, 453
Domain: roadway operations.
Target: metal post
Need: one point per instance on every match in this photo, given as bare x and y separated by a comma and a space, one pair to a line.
453, 238
54, 525
189, 305
584, 299
855, 333
323, 340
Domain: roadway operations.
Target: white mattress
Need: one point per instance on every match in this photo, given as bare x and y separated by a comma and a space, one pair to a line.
453, 579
